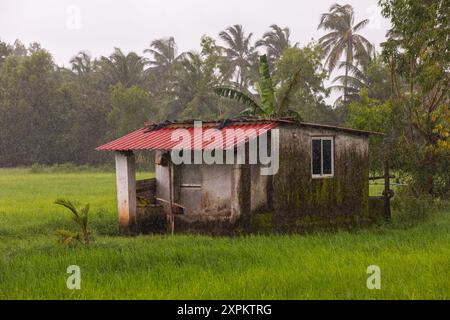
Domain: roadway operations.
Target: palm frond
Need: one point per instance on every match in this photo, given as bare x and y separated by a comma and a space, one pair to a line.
334, 55
67, 204
360, 25
354, 70
237, 95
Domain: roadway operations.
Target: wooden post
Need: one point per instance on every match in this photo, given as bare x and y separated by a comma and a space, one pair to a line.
387, 193
126, 190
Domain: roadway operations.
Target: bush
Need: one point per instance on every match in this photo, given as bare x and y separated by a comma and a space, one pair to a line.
410, 209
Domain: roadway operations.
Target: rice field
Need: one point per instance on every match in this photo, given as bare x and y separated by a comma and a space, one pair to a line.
414, 260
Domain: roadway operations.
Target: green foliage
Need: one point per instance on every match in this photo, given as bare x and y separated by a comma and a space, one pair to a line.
129, 106
372, 77
343, 38
126, 69
410, 210
265, 87
240, 54
239, 96
418, 57
275, 41
80, 217
196, 77
299, 73
66, 237
373, 115
32, 117
271, 104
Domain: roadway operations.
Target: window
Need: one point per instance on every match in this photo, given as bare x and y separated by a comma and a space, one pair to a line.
322, 157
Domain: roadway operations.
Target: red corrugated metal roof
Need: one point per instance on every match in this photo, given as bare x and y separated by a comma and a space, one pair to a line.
166, 137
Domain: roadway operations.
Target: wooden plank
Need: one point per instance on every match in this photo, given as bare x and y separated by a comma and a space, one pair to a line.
380, 177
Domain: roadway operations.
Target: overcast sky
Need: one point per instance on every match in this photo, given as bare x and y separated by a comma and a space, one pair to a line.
65, 27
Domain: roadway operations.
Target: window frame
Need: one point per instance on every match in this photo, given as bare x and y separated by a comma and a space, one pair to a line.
321, 139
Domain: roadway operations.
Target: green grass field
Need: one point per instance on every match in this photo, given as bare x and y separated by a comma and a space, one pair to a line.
414, 261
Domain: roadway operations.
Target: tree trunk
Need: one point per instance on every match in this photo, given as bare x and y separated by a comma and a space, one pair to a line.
345, 81
345, 84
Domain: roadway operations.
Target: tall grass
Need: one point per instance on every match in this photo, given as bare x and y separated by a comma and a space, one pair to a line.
414, 261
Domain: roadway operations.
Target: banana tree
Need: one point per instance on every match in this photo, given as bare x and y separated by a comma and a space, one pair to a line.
269, 104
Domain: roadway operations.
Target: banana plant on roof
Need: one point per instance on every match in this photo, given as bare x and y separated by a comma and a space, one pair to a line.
269, 104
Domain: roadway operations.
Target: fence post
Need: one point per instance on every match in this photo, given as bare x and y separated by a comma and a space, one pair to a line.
387, 193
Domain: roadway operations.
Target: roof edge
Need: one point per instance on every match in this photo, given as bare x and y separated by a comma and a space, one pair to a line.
287, 121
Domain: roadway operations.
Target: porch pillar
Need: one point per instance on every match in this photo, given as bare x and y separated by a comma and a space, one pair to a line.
240, 192
126, 190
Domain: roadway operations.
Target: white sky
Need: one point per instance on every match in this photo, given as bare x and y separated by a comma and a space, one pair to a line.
64, 27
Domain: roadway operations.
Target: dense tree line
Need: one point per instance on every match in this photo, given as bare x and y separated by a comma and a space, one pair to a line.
52, 114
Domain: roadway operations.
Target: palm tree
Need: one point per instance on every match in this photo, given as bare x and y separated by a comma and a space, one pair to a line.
125, 69
82, 63
275, 41
80, 217
239, 52
195, 80
164, 54
355, 80
343, 39
270, 104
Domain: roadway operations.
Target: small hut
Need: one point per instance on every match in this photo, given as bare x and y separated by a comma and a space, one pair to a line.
308, 176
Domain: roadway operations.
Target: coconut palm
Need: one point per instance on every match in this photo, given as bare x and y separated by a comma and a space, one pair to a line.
269, 103
164, 55
82, 63
125, 69
343, 39
239, 52
275, 41
355, 80
80, 217
194, 82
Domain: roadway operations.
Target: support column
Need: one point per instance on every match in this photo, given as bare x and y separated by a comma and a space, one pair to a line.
240, 192
126, 190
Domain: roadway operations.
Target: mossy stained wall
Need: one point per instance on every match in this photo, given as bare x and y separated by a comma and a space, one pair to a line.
342, 198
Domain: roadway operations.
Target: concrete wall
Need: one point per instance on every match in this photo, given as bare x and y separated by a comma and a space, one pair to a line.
214, 196
216, 189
